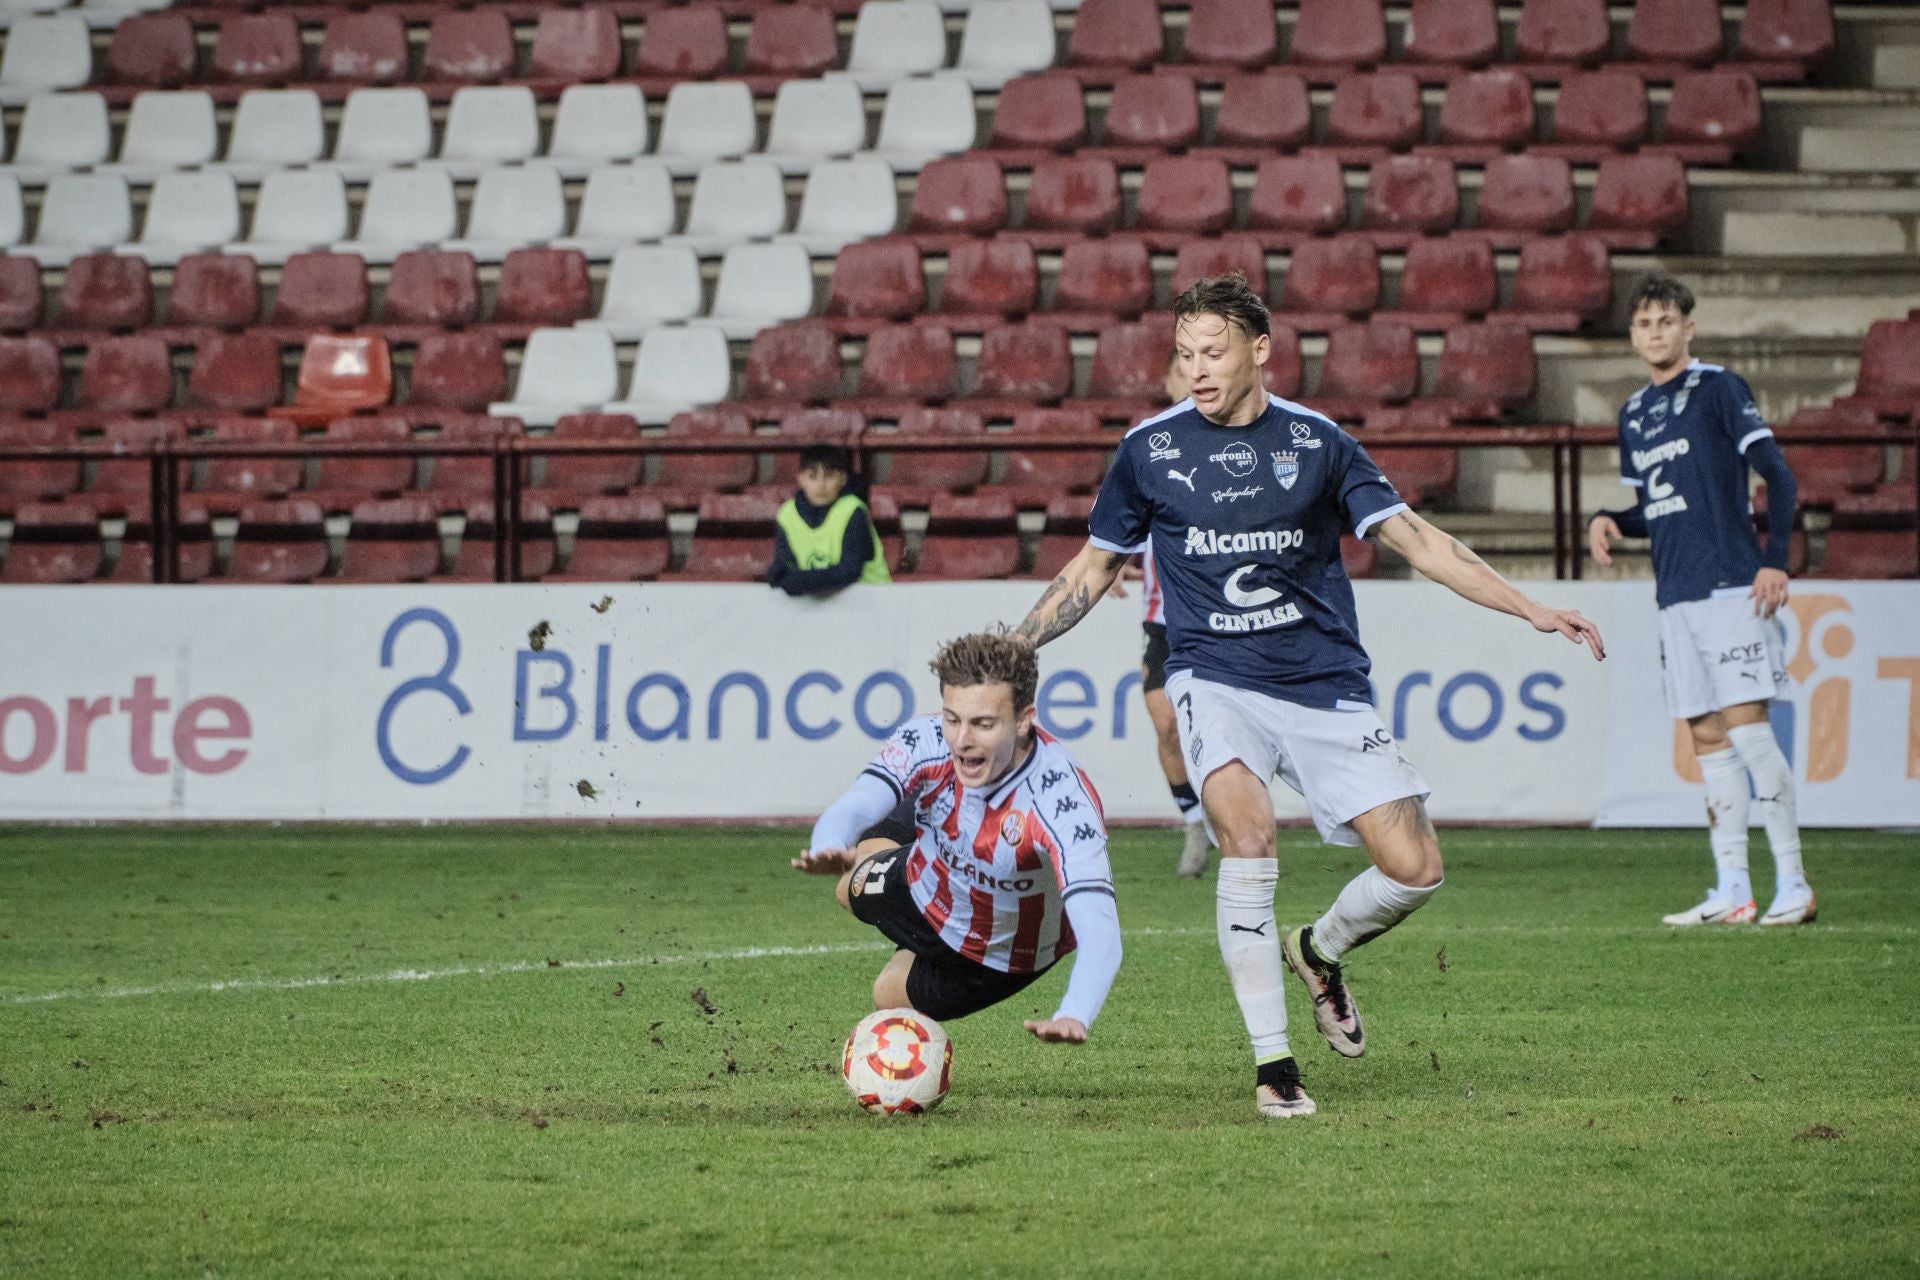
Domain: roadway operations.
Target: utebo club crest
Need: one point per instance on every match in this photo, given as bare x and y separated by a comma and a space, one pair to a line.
1286, 468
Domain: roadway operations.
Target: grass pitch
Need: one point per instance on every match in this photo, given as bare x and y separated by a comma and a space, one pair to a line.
559, 1051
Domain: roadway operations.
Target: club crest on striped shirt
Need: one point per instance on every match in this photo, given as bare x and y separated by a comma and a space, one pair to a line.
1012, 827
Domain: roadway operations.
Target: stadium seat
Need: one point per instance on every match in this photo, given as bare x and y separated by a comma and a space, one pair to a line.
562, 371
1129, 368
1232, 33
274, 129
878, 280
53, 543
675, 370
735, 200
24, 480
1890, 366
19, 294
791, 40
188, 212
1302, 194
340, 374
845, 201
1073, 193
405, 209
575, 45
1827, 473
1712, 114
1340, 32
1453, 276
390, 540
622, 204
896, 38
1870, 553
924, 118
1373, 112
1486, 112
341, 482
474, 561
257, 48
1046, 474
1455, 32
103, 291
513, 205
1565, 32
1486, 362
61, 131
1564, 273
915, 477
812, 426
1152, 113
906, 362
29, 375
468, 45
1527, 193
794, 364
1417, 473
762, 285
815, 119
1104, 276
489, 125
971, 537
1645, 195
454, 475
706, 122
13, 210
368, 47
1003, 39
1228, 254
123, 486
649, 285
81, 213
1040, 113
235, 373
1359, 557
991, 278
542, 287
1412, 193
229, 483
45, 51
1185, 195
152, 49
597, 124
705, 473
732, 539
432, 287
570, 477
1598, 112
296, 210
1369, 363
1263, 112
1116, 34
279, 542
192, 541
462, 370
1029, 361
619, 540
960, 195
1675, 31
167, 130
380, 128
1340, 276
321, 291
129, 373
681, 44
1062, 536
1799, 31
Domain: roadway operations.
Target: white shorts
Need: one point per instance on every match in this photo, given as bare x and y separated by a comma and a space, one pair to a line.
1343, 761
1718, 653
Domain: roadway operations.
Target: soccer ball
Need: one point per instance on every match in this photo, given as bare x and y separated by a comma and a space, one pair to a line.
897, 1062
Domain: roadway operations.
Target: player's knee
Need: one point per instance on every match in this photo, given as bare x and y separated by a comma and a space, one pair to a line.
843, 891
1709, 734
1247, 840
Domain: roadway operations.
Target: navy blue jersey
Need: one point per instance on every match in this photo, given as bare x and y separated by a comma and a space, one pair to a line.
1682, 447
1245, 526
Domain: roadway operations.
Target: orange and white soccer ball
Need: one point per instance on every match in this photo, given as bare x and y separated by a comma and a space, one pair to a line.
897, 1062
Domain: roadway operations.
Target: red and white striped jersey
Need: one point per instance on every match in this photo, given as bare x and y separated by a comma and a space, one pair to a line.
991, 869
1153, 603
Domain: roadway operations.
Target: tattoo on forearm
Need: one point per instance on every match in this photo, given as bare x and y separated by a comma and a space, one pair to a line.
1056, 613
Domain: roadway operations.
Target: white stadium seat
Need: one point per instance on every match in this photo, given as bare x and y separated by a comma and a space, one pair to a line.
81, 213
188, 213
736, 200
895, 38
813, 120
513, 206
597, 124
168, 130
489, 125
762, 285
926, 119
274, 129
13, 210
59, 132
675, 370
45, 51
405, 209
296, 210
649, 285
706, 122
562, 371
846, 200
623, 204
1004, 39
380, 128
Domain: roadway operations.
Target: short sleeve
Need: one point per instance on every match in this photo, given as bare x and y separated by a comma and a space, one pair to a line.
1366, 495
1739, 415
1121, 514
905, 762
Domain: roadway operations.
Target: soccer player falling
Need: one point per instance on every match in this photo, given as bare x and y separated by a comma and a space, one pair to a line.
1243, 497
1686, 441
1007, 871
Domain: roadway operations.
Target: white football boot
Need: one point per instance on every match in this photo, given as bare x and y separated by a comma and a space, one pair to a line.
1284, 1099
1795, 906
1193, 855
1333, 1009
1715, 911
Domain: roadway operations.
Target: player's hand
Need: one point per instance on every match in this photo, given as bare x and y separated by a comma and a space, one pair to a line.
827, 862
1117, 591
1569, 623
1059, 1031
1769, 591
1602, 533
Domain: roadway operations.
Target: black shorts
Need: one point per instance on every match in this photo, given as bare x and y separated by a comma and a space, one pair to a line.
943, 983
897, 827
1153, 664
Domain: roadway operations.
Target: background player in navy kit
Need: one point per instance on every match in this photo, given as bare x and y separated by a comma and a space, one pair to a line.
1686, 441
1244, 497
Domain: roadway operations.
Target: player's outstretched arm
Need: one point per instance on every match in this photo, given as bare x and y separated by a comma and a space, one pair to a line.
1069, 597
1453, 565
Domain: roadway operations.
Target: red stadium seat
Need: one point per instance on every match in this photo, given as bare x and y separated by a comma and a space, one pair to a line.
352, 479
618, 540
708, 472
391, 540
1130, 362
1153, 112
1040, 113
1412, 193
1487, 111
576, 45
1455, 275
257, 49
1418, 473
235, 373
1675, 31
1073, 193
1713, 109
1487, 362
19, 294
123, 485
1299, 194
1050, 472
215, 291
321, 291
1237, 33
794, 363
466, 371
1286, 372
104, 291
1871, 553
1030, 360
732, 539
1224, 256
572, 476
193, 539
1526, 193
1890, 362
1460, 32
153, 50
340, 375
1787, 30
1827, 473
1640, 193
474, 561
991, 277
1599, 111
279, 542
1341, 275
240, 479
29, 375
1105, 275
1265, 111
813, 426
1191, 195
905, 362
919, 475
24, 480
1564, 273
130, 374
364, 47
1379, 110
1370, 363
1116, 33
53, 543
792, 40
1562, 31
1359, 557
1340, 32
969, 538
687, 43
1063, 535
471, 46
543, 287
462, 474
963, 195
433, 287
878, 279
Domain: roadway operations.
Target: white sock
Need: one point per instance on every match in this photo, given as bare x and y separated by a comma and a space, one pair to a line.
1194, 816
1371, 904
1250, 944
1727, 824
1773, 792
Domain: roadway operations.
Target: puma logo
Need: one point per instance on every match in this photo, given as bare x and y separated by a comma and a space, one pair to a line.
1260, 929
1186, 479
